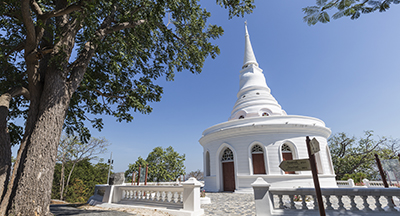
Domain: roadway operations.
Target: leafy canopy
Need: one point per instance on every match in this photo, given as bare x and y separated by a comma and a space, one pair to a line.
349, 8
83, 180
164, 165
351, 156
135, 42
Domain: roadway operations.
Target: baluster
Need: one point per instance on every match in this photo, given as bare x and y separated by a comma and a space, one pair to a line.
315, 202
303, 202
176, 197
328, 202
353, 203
280, 201
144, 195
181, 195
123, 194
136, 195
340, 202
365, 203
168, 196
158, 196
292, 202
163, 196
378, 203
390, 203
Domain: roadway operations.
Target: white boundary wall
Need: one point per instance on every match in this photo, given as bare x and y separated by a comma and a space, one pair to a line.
337, 201
181, 200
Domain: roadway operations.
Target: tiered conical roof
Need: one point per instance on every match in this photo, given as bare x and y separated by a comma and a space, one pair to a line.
254, 96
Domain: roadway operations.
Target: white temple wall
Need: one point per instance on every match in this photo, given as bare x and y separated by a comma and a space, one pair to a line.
272, 144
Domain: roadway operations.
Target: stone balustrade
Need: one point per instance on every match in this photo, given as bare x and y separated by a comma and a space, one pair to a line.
337, 201
366, 183
183, 199
169, 194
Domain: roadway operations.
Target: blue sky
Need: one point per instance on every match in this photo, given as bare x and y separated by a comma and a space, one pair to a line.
346, 73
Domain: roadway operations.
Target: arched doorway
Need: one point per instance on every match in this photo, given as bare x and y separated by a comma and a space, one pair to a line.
257, 156
228, 170
287, 155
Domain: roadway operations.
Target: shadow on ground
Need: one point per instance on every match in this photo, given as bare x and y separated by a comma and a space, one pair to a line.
72, 209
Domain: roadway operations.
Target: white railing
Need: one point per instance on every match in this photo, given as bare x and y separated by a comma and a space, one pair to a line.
337, 201
183, 199
167, 194
366, 183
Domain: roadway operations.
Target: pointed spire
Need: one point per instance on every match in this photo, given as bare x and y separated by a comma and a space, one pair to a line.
249, 57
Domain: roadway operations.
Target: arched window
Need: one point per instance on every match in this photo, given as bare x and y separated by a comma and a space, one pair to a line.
241, 117
207, 163
265, 114
257, 155
287, 155
227, 156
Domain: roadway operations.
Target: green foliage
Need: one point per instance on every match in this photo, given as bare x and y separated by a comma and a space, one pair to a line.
349, 8
351, 156
135, 42
83, 180
357, 177
164, 165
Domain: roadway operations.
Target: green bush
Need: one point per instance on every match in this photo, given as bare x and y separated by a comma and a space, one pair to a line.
83, 180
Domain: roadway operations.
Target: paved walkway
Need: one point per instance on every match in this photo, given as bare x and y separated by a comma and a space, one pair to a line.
223, 203
230, 204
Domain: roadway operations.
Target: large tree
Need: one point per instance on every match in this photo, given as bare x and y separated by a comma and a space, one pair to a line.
77, 59
71, 151
350, 8
83, 180
164, 165
351, 156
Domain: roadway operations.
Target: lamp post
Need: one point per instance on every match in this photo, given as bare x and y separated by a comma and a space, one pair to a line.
110, 161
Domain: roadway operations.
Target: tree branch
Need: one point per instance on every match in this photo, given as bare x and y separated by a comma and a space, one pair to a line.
30, 28
119, 27
36, 8
18, 48
78, 67
61, 12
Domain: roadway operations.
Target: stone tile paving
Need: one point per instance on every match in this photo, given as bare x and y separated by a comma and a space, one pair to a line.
231, 204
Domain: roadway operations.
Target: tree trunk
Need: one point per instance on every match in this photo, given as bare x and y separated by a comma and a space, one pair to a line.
69, 176
5, 147
62, 178
32, 182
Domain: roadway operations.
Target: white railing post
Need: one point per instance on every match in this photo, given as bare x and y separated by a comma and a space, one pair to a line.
262, 197
191, 196
351, 183
366, 182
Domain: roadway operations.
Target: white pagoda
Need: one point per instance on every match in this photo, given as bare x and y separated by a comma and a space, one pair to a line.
258, 136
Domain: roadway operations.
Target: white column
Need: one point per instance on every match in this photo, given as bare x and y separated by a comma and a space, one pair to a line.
191, 196
262, 197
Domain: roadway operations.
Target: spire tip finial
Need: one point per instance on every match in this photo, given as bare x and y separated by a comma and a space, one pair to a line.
245, 26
